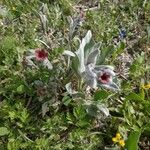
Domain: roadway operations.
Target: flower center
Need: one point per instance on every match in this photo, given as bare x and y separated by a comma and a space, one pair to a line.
41, 54
104, 78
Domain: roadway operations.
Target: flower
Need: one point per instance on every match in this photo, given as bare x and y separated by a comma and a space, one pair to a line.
123, 33
118, 139
114, 139
41, 54
104, 78
95, 76
146, 86
105, 74
118, 136
122, 143
41, 57
100, 76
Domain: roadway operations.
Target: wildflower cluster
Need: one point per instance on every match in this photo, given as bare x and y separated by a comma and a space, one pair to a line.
118, 139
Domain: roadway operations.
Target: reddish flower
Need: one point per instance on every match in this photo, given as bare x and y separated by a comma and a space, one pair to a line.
41, 54
105, 78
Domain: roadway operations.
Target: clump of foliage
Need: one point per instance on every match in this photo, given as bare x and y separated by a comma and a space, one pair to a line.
74, 75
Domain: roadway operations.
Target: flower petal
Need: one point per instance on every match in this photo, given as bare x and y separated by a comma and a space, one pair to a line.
105, 69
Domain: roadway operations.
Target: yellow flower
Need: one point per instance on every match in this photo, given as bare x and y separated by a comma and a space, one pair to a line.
114, 139
122, 143
118, 136
146, 86
118, 139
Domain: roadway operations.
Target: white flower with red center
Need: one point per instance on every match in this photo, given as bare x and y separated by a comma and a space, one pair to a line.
38, 55
105, 75
94, 76
41, 54
100, 76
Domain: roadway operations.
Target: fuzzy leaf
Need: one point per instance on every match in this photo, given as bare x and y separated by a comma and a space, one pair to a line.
68, 53
111, 86
44, 20
69, 89
90, 76
80, 51
97, 109
92, 58
45, 108
47, 64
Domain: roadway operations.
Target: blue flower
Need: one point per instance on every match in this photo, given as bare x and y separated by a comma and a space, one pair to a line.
123, 33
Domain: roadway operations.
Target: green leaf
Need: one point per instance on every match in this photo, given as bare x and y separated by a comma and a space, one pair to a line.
20, 89
119, 50
75, 65
105, 53
134, 96
79, 112
133, 139
3, 131
100, 95
66, 100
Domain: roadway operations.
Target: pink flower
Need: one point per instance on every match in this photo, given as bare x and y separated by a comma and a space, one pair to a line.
105, 78
41, 54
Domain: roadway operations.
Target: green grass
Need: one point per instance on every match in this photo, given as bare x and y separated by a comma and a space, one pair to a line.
37, 112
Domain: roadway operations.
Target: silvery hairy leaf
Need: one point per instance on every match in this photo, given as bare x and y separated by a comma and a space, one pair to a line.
42, 14
93, 57
3, 11
90, 76
72, 29
112, 86
44, 21
80, 51
75, 23
90, 48
103, 109
69, 53
44, 8
30, 63
47, 64
98, 110
42, 42
29, 57
69, 89
45, 108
